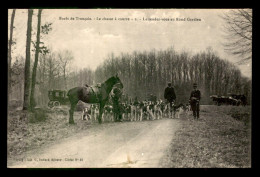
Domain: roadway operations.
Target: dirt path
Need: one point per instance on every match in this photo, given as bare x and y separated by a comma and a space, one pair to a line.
125, 144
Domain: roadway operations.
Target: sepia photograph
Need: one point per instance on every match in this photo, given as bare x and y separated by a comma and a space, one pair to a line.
129, 88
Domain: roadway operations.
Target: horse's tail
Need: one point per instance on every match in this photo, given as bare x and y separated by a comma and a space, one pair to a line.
70, 91
68, 94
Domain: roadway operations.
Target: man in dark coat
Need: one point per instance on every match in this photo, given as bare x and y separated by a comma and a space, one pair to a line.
117, 110
169, 95
194, 101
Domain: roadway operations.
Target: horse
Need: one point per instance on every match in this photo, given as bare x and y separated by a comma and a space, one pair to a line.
90, 95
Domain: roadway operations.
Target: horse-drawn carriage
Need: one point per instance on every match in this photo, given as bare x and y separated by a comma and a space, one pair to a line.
57, 98
231, 99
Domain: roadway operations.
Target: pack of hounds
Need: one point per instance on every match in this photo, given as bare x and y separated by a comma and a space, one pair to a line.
137, 111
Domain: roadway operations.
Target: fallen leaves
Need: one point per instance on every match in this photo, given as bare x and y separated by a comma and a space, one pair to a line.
216, 140
23, 135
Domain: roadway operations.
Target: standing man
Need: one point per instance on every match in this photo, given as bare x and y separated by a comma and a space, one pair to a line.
194, 101
169, 95
117, 110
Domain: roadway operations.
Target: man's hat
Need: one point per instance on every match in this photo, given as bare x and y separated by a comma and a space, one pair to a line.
194, 85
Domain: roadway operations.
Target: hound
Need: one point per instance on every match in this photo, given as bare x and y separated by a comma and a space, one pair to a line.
126, 110
177, 110
147, 108
108, 113
136, 111
163, 108
86, 113
94, 111
157, 110
181, 108
186, 109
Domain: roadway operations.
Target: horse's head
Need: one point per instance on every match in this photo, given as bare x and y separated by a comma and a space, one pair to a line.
117, 82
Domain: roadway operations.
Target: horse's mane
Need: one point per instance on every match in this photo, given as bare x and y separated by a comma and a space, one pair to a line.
110, 79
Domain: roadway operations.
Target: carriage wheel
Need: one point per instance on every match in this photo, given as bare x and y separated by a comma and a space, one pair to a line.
50, 104
56, 103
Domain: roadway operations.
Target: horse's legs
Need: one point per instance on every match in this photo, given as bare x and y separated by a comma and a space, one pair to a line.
123, 116
100, 113
103, 119
114, 115
92, 115
135, 114
109, 117
100, 116
71, 111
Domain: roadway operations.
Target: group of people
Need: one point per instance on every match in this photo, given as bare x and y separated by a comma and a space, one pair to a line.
170, 96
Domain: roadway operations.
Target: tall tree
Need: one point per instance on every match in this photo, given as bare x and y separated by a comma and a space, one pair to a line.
239, 33
37, 50
52, 68
17, 79
27, 61
65, 58
10, 52
209, 59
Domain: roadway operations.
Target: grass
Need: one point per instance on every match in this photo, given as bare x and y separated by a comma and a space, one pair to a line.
26, 131
217, 140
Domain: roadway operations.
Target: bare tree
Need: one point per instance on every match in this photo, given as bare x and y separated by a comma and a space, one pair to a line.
209, 59
65, 58
27, 61
52, 68
239, 33
10, 52
16, 79
37, 47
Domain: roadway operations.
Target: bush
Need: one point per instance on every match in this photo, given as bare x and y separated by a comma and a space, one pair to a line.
39, 115
241, 114
13, 104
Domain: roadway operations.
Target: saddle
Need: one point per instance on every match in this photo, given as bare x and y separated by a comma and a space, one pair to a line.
92, 91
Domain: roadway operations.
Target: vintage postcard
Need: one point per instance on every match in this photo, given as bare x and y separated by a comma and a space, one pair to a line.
129, 88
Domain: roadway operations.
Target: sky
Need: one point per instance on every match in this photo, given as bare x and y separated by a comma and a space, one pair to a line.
91, 41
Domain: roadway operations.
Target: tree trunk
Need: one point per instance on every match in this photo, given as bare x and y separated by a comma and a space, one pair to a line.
64, 77
10, 53
32, 100
27, 62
